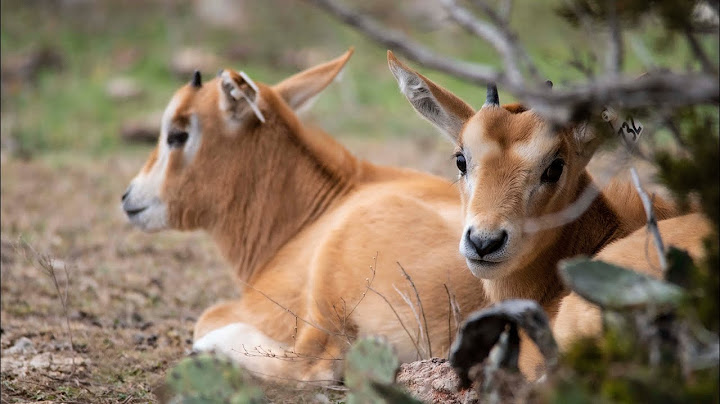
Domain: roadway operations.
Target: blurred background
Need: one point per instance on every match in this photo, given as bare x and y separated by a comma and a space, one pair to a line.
94, 310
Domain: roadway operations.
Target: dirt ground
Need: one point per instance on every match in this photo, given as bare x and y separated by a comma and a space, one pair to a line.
94, 310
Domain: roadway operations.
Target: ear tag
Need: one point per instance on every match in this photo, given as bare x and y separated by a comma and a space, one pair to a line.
629, 129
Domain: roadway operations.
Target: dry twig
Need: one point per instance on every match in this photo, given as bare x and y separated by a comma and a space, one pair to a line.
46, 264
422, 311
651, 221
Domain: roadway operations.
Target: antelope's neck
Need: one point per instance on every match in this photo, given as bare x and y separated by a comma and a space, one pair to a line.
538, 278
305, 182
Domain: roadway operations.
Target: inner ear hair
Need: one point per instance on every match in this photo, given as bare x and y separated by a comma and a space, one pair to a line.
239, 87
516, 108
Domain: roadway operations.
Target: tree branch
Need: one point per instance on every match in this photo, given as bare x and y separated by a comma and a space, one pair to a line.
665, 88
408, 47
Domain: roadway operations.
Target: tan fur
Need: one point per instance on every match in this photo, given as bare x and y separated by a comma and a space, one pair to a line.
506, 150
301, 220
578, 318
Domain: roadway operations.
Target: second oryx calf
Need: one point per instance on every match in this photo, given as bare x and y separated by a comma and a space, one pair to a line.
515, 167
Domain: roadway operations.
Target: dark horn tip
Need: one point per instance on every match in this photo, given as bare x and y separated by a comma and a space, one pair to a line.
196, 80
492, 95
549, 84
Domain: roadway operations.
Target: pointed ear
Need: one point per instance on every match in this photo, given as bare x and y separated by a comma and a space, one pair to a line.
300, 89
586, 140
239, 96
434, 103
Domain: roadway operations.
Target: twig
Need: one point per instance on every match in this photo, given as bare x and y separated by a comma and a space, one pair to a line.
449, 313
406, 46
422, 311
501, 19
291, 312
414, 312
651, 221
368, 282
417, 348
577, 63
491, 34
696, 47
46, 265
505, 10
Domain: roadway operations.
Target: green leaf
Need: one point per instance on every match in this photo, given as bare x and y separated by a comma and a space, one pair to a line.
369, 361
613, 287
209, 379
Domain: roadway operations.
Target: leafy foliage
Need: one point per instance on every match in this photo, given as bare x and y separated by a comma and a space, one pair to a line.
370, 369
210, 379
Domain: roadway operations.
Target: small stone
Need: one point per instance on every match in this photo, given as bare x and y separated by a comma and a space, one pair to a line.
22, 346
322, 398
138, 339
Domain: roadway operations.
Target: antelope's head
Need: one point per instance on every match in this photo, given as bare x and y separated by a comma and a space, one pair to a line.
512, 166
219, 145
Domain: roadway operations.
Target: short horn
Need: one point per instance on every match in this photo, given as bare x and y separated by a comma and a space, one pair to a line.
492, 95
196, 79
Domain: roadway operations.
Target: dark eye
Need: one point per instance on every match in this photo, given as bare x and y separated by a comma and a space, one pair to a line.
461, 163
553, 172
177, 138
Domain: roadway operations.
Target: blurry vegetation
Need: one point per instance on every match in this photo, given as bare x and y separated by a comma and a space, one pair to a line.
67, 107
624, 366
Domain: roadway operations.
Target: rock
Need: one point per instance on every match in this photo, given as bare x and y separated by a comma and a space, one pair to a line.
433, 381
322, 398
123, 88
21, 347
138, 339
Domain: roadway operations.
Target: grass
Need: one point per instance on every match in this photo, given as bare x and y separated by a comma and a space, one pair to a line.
70, 110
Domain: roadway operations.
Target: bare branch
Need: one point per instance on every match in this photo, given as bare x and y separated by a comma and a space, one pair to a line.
501, 20
699, 52
660, 88
407, 46
651, 221
505, 10
491, 34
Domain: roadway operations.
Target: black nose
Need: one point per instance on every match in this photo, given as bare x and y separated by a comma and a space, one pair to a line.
485, 244
125, 195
